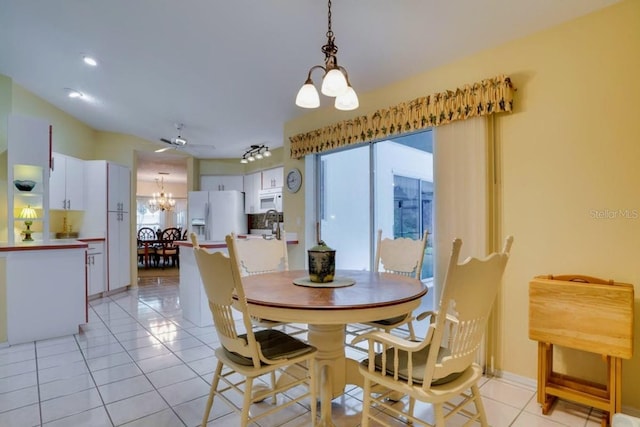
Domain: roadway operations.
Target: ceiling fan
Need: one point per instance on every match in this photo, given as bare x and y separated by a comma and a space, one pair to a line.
179, 141
174, 143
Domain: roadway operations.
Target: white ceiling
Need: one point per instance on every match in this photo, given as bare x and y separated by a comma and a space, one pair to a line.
230, 70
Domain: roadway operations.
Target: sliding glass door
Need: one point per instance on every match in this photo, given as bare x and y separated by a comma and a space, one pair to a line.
344, 205
386, 185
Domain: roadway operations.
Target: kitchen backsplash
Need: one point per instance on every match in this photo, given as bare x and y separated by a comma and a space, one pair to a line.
257, 221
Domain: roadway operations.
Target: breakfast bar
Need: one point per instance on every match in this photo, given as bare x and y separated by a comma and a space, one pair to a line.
42, 289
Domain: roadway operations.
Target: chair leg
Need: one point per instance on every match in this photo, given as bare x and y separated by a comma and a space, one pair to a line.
477, 400
214, 386
246, 404
313, 401
273, 387
366, 402
439, 414
412, 405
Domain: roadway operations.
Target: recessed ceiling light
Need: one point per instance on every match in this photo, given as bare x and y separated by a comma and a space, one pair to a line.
72, 93
90, 61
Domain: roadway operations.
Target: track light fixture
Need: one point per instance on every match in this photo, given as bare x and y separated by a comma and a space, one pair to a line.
335, 82
255, 152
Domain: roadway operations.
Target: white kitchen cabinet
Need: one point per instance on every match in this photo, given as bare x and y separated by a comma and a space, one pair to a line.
107, 202
118, 253
66, 183
252, 185
28, 145
272, 178
119, 188
96, 277
221, 182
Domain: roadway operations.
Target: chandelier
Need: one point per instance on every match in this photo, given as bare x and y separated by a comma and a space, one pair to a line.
161, 201
255, 152
335, 82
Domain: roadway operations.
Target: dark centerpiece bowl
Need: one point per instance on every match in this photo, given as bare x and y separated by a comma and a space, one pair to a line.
24, 184
322, 263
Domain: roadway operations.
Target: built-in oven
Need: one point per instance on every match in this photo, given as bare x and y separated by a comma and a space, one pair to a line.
270, 199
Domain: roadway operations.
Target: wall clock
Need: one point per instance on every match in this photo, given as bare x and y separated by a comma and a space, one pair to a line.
294, 180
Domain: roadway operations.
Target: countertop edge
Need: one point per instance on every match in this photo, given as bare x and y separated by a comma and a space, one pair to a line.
216, 245
43, 246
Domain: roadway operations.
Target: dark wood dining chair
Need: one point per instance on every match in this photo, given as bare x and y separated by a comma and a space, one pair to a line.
146, 251
169, 252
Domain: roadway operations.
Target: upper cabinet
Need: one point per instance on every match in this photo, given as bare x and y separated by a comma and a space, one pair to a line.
119, 188
252, 185
273, 178
29, 145
221, 182
66, 184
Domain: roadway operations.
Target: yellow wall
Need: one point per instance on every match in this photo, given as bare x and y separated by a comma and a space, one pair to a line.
234, 167
570, 148
69, 136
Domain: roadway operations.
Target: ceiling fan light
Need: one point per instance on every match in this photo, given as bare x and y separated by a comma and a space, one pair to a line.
348, 101
308, 96
180, 141
334, 83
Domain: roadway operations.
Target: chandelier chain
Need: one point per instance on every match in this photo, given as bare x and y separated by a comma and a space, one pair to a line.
335, 81
329, 32
330, 50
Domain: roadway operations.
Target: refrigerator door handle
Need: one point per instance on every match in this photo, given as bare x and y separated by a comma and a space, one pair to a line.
206, 220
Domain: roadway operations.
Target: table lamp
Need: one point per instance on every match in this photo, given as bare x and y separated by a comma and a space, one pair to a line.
28, 214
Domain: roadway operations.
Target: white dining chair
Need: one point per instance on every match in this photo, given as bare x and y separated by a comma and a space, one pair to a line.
402, 256
244, 357
439, 369
260, 256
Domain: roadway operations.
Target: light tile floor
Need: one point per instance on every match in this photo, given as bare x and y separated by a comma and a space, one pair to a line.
139, 363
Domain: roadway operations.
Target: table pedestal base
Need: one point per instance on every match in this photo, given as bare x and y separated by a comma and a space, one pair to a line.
335, 370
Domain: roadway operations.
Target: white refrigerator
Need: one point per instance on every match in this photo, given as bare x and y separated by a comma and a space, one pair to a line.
214, 214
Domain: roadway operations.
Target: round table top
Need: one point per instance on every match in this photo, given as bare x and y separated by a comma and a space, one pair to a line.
370, 290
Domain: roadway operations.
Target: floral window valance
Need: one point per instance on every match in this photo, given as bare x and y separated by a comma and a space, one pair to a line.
488, 96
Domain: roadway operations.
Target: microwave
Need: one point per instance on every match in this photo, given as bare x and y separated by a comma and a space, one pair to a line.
270, 199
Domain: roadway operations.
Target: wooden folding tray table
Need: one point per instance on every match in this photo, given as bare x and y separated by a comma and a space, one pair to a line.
583, 313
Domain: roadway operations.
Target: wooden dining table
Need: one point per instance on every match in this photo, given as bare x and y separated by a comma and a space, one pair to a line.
327, 310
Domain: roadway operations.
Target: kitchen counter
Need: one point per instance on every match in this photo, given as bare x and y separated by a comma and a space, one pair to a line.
291, 240
52, 244
193, 300
42, 289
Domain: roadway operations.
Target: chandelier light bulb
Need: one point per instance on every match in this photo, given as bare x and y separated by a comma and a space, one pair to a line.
308, 96
334, 83
251, 158
348, 101
161, 201
267, 153
259, 156
244, 160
